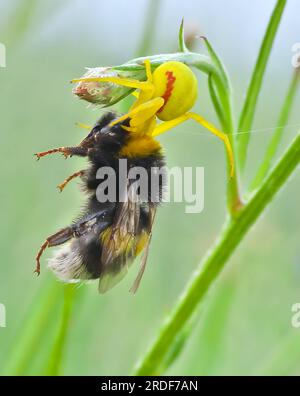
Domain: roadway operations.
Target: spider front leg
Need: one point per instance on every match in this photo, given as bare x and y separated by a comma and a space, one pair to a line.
146, 87
68, 179
124, 82
83, 126
141, 114
165, 126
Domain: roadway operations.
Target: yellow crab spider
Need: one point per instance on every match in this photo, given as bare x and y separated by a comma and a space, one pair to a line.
168, 94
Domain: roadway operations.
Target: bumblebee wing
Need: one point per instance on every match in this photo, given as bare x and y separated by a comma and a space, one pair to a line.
119, 268
121, 259
109, 279
119, 241
137, 281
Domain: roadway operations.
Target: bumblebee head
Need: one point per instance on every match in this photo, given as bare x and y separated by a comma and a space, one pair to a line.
112, 138
116, 140
106, 137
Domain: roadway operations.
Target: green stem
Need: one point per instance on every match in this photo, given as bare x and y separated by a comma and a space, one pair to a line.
234, 200
248, 110
277, 136
212, 265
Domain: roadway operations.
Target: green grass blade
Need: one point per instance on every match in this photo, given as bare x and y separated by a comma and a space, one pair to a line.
217, 62
149, 27
216, 102
220, 81
248, 110
277, 136
283, 359
19, 24
34, 330
56, 356
213, 264
212, 332
181, 41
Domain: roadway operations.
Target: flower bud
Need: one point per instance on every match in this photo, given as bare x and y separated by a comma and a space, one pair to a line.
104, 93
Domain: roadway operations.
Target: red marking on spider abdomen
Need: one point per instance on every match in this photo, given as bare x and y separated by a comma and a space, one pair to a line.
170, 85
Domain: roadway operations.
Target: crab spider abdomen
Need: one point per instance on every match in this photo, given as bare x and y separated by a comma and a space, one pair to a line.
177, 85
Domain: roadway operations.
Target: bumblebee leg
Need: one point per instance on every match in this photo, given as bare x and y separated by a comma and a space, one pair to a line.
38, 256
66, 151
56, 239
165, 126
68, 179
74, 231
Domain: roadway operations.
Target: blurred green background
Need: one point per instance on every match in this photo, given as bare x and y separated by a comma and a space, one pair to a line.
244, 325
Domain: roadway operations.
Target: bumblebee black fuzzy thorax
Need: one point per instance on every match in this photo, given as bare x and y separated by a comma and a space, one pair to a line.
112, 146
105, 239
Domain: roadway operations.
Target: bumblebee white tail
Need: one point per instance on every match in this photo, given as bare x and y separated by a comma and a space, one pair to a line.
67, 264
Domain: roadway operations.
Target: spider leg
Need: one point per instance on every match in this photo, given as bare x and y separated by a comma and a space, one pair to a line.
145, 95
165, 126
146, 87
148, 70
142, 113
124, 82
84, 126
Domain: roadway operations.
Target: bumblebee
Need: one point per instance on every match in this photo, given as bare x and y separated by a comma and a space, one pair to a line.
104, 241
